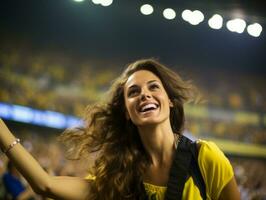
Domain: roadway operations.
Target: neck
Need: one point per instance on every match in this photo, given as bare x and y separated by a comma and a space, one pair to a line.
158, 142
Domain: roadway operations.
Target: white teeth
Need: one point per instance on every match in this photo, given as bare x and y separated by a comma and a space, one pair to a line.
148, 106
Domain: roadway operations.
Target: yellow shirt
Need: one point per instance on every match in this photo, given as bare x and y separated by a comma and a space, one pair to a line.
216, 171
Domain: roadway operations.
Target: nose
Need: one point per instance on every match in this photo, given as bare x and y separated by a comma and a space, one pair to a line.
145, 95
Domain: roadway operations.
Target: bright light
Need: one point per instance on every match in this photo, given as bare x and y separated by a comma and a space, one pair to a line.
103, 2
254, 29
216, 21
236, 25
186, 15
106, 2
78, 0
169, 13
194, 17
197, 17
96, 1
146, 9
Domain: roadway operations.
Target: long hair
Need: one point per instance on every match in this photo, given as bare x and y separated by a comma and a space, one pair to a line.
122, 159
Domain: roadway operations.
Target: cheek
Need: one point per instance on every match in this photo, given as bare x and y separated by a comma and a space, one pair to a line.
164, 98
128, 108
166, 101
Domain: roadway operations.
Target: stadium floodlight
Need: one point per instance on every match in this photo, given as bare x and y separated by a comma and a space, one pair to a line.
78, 0
236, 25
103, 2
96, 1
106, 2
146, 9
194, 18
169, 13
186, 15
216, 21
197, 17
254, 29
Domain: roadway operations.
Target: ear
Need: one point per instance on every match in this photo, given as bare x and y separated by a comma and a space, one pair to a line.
171, 103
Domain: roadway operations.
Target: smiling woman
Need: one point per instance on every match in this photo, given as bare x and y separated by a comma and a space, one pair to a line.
146, 99
137, 133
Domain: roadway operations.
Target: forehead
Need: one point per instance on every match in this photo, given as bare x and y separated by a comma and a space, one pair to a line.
141, 77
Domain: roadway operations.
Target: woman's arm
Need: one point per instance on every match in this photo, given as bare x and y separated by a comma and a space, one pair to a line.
230, 191
40, 181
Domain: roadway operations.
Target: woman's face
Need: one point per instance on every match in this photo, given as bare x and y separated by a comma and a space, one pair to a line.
146, 100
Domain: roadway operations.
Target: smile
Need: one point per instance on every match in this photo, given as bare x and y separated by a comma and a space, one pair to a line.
148, 107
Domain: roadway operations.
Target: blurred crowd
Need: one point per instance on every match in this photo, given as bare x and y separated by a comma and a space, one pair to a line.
55, 82
227, 130
251, 177
229, 89
51, 82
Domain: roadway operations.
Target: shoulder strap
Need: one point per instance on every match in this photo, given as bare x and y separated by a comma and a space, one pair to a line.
195, 171
179, 171
185, 164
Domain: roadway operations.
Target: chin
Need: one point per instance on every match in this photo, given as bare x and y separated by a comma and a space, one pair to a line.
150, 122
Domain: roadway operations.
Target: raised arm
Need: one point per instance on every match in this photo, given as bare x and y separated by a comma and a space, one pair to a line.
62, 187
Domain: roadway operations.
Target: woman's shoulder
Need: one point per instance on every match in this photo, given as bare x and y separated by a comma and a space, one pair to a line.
211, 155
209, 149
214, 166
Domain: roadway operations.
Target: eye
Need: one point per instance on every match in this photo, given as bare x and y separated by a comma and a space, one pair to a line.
154, 86
132, 92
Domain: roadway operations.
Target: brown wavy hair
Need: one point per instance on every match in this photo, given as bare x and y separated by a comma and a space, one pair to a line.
122, 159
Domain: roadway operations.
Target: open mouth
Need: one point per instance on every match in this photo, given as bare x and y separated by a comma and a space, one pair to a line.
148, 107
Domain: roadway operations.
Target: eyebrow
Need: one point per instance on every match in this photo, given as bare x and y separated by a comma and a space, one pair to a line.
134, 85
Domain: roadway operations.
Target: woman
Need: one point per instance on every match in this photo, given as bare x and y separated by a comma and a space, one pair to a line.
135, 134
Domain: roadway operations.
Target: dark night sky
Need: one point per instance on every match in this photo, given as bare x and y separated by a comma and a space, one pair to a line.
120, 32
